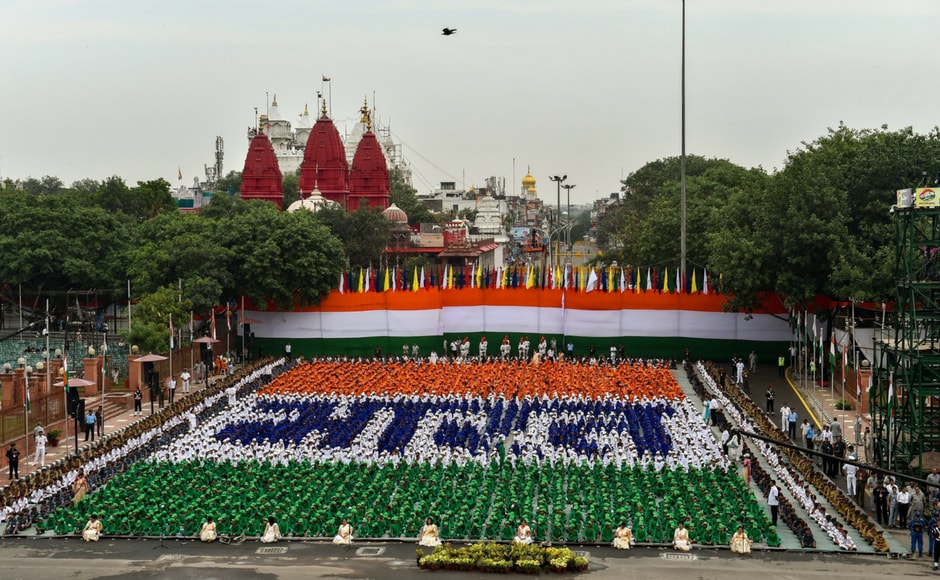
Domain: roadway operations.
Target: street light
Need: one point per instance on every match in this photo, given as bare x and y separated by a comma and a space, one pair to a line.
558, 181
568, 188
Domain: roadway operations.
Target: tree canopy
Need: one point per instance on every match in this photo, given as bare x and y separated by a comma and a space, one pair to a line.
820, 225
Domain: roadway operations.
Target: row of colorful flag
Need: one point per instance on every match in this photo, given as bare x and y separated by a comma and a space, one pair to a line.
575, 278
815, 339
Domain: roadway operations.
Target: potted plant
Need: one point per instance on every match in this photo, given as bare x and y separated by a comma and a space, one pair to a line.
53, 437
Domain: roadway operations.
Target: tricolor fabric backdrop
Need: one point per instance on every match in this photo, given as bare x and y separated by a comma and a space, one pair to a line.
649, 324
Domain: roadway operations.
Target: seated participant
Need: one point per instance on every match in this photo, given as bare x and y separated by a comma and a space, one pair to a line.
343, 534
271, 532
429, 535
523, 534
92, 531
208, 533
80, 487
740, 543
680, 538
623, 537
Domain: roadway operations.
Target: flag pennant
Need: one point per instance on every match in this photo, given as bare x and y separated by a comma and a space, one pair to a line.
172, 345
705, 282
845, 362
592, 281
832, 356
694, 285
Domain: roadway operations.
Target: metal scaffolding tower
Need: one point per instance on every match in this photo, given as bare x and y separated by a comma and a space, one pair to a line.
905, 397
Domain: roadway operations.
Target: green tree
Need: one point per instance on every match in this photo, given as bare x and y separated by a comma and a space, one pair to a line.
364, 233
643, 228
291, 187
46, 185
151, 322
289, 258
231, 183
823, 226
405, 197
174, 247
60, 242
151, 198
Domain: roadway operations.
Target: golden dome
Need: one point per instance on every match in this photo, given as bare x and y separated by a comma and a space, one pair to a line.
532, 190
528, 181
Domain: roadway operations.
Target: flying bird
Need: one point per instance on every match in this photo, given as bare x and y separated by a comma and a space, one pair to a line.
449, 31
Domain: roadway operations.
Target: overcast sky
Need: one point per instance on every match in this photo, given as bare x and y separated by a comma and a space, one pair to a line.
591, 89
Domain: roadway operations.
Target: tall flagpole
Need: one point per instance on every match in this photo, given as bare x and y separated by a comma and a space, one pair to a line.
48, 367
682, 254
26, 373
129, 305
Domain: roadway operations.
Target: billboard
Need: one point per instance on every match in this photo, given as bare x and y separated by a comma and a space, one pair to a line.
927, 197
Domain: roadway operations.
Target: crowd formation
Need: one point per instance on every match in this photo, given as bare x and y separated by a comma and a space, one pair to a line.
594, 450
667, 441
41, 497
797, 473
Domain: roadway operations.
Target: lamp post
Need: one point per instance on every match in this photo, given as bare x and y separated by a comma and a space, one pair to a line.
568, 187
558, 181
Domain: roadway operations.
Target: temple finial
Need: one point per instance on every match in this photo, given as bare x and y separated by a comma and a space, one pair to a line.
366, 117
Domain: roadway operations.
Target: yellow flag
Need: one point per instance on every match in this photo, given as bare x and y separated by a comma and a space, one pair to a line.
362, 281
386, 285
694, 285
414, 283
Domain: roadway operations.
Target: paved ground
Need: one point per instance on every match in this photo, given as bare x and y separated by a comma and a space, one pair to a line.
115, 419
39, 559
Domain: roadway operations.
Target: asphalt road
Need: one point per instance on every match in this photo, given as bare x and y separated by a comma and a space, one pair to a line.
45, 558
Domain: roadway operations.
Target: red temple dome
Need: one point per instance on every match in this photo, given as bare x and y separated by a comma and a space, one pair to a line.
324, 166
368, 180
396, 215
261, 177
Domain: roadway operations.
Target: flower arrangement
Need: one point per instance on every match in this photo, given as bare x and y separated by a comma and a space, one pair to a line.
495, 558
533, 567
494, 566
558, 564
